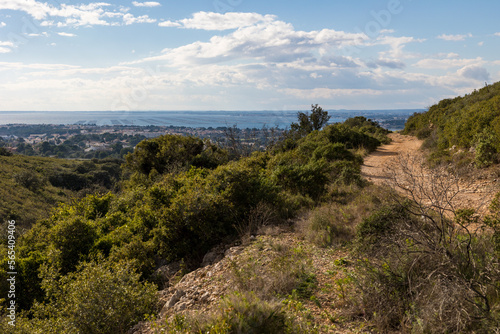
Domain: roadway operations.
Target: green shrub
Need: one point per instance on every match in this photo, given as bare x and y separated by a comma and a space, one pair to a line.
486, 151
273, 268
375, 229
71, 241
68, 180
425, 273
29, 180
173, 153
5, 152
103, 297
327, 226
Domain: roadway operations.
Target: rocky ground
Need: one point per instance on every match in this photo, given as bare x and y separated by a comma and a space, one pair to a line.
200, 291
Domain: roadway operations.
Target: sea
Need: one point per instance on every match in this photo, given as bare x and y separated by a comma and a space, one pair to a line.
193, 119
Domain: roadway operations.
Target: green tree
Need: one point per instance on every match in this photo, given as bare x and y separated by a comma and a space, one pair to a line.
164, 154
308, 123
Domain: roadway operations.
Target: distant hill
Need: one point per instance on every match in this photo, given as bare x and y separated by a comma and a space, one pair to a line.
471, 122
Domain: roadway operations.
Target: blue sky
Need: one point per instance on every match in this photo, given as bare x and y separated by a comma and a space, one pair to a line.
244, 54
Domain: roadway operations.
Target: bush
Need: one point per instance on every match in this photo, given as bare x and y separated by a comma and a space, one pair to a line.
68, 180
273, 268
469, 121
485, 149
29, 180
5, 152
173, 153
71, 241
375, 229
327, 226
100, 297
425, 273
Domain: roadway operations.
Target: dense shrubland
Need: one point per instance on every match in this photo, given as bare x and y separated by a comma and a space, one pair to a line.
183, 196
471, 122
31, 186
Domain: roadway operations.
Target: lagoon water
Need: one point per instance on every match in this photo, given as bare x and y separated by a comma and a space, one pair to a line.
241, 119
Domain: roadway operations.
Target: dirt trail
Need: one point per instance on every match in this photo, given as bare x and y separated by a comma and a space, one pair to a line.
375, 165
476, 189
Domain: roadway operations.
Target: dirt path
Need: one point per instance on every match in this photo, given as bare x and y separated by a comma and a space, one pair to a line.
475, 190
375, 165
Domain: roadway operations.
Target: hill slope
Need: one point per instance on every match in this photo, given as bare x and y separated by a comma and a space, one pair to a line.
468, 122
31, 186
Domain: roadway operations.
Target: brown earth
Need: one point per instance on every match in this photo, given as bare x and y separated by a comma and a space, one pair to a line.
375, 165
474, 188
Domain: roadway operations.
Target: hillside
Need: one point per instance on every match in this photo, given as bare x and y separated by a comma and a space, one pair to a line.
464, 124
31, 186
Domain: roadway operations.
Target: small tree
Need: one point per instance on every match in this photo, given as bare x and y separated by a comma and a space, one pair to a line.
308, 123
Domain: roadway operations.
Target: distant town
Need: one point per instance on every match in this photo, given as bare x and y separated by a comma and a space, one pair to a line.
87, 141
91, 141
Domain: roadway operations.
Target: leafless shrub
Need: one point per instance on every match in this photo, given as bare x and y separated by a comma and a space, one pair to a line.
262, 217
435, 268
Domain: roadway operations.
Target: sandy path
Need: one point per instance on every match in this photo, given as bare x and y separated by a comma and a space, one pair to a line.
475, 191
376, 163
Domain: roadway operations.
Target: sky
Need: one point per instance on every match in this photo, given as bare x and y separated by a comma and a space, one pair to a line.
66, 55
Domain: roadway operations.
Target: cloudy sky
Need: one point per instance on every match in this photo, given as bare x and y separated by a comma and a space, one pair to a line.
244, 54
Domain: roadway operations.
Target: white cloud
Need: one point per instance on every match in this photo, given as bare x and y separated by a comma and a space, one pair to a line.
397, 45
497, 34
454, 38
252, 60
270, 41
129, 19
23, 66
63, 15
74, 15
389, 63
6, 47
42, 34
447, 63
47, 23
169, 24
218, 21
146, 4
3, 24
328, 93
66, 34
448, 55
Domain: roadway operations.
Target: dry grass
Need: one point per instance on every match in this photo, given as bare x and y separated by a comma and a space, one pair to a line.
334, 224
